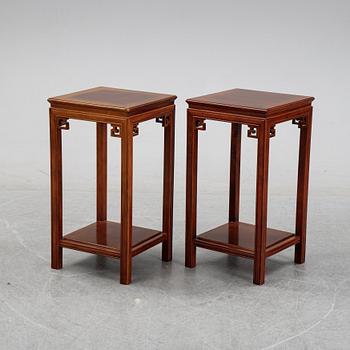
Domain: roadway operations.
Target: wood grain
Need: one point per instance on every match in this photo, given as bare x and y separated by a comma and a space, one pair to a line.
191, 190
168, 185
104, 238
56, 191
235, 170
250, 102
126, 202
101, 171
120, 101
243, 236
303, 185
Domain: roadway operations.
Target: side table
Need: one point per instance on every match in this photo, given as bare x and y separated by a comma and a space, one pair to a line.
124, 110
261, 112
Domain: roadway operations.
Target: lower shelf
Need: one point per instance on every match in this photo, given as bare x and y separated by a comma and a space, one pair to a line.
238, 238
103, 238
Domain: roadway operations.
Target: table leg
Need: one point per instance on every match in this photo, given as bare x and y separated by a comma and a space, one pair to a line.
235, 170
261, 202
126, 202
168, 186
56, 190
303, 184
101, 171
191, 188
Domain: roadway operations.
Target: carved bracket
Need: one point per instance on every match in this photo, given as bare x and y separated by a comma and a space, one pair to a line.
252, 131
301, 122
164, 120
63, 124
273, 131
116, 130
135, 130
200, 124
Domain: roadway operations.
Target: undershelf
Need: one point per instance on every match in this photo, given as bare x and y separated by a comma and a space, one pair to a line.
103, 238
238, 238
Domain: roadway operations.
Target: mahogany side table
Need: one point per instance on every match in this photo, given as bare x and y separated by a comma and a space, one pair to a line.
124, 110
261, 112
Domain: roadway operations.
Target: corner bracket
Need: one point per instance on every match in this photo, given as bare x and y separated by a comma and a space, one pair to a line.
252, 131
301, 122
116, 130
200, 124
164, 120
63, 124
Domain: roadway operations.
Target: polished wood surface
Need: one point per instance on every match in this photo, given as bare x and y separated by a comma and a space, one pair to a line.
101, 171
56, 190
250, 102
261, 112
241, 236
191, 189
127, 102
168, 185
125, 111
107, 236
235, 172
262, 169
126, 203
303, 185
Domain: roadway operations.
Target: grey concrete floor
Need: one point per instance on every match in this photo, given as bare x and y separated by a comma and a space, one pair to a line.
214, 306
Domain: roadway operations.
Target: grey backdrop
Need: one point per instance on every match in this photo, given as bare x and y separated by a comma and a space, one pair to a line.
188, 48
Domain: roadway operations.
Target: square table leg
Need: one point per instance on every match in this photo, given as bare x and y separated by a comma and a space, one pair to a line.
101, 171
303, 184
56, 126
263, 135
126, 202
168, 185
193, 125
235, 171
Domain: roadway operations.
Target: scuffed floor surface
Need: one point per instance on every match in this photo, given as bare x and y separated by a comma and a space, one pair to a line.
214, 306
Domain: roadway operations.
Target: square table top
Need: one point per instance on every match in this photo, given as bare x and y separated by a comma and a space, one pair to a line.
241, 101
126, 101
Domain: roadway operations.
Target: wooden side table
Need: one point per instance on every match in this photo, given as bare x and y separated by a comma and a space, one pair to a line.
124, 110
261, 112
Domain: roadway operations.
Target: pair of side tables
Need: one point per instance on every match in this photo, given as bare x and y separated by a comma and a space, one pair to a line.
123, 111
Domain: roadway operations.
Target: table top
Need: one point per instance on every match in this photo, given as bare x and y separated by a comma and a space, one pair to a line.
116, 99
249, 102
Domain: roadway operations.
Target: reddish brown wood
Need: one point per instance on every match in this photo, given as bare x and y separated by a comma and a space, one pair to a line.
303, 185
286, 243
235, 171
244, 235
103, 117
149, 243
112, 101
220, 239
106, 236
261, 112
249, 102
261, 202
124, 110
126, 202
224, 248
56, 191
101, 171
168, 184
191, 189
